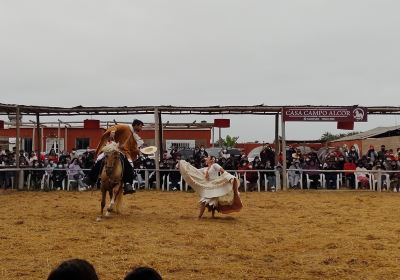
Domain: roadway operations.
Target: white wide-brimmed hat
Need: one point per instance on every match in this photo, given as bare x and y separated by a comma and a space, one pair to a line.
149, 150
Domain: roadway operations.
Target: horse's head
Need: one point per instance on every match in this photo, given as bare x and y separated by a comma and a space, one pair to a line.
112, 158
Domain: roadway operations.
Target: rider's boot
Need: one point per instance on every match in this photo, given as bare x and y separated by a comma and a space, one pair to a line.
91, 178
128, 176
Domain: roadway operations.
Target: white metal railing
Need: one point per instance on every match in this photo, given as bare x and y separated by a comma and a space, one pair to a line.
265, 179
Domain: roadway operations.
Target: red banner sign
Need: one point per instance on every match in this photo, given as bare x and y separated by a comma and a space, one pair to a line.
91, 124
345, 125
222, 122
325, 114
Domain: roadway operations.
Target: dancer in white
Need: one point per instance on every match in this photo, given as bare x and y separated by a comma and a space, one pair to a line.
217, 188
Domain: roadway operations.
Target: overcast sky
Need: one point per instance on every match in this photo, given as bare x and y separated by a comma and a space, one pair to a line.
192, 53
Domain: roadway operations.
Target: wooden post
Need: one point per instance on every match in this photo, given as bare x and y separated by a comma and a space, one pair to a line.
284, 181
20, 176
277, 144
219, 139
157, 140
66, 138
39, 135
58, 137
33, 138
17, 128
213, 137
42, 147
161, 135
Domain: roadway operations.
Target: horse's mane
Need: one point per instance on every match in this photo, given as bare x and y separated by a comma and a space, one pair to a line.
110, 147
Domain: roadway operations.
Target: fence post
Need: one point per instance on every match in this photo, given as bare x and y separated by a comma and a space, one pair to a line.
278, 180
245, 182
146, 179
21, 178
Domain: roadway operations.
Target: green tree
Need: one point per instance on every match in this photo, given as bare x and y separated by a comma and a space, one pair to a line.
327, 136
229, 141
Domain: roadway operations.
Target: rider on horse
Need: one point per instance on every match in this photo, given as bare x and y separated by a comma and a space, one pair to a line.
129, 143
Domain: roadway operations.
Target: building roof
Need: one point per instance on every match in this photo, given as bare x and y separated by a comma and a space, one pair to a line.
172, 110
369, 133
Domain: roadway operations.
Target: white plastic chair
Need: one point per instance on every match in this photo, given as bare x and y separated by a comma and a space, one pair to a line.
321, 180
70, 179
374, 181
245, 181
180, 183
45, 181
356, 182
29, 183
266, 182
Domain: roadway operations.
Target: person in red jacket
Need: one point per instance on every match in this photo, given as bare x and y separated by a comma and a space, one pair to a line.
52, 156
349, 165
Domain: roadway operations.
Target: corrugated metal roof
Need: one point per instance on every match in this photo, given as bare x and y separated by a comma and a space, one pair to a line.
369, 133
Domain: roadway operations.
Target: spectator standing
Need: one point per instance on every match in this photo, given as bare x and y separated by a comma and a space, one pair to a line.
371, 154
267, 155
200, 155
353, 154
381, 155
271, 177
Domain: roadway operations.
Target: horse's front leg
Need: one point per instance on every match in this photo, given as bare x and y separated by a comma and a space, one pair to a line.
112, 201
103, 203
115, 191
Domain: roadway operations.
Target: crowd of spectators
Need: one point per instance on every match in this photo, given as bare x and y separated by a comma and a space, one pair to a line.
352, 167
345, 164
41, 168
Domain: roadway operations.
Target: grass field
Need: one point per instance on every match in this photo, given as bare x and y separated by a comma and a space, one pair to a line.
283, 235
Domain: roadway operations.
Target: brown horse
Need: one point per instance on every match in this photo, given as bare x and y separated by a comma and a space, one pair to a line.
111, 179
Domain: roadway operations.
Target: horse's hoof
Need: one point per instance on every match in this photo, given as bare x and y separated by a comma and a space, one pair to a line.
98, 219
108, 214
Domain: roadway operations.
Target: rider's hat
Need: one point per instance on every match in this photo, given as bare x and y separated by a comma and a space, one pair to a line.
149, 150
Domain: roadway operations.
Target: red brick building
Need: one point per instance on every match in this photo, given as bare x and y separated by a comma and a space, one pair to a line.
67, 138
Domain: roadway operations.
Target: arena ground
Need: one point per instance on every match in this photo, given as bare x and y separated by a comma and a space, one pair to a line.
283, 235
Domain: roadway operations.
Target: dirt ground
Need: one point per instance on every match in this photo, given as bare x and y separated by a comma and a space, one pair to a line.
283, 235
